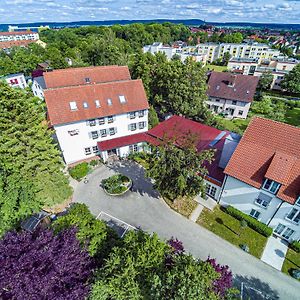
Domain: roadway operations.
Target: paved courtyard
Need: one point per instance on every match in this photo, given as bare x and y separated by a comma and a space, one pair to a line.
143, 208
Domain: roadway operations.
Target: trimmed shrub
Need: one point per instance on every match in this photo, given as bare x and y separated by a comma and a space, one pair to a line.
79, 171
252, 223
116, 184
295, 246
95, 162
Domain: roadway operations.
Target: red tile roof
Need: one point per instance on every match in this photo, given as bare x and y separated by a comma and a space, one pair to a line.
178, 127
269, 149
58, 100
10, 44
16, 32
232, 87
77, 76
127, 140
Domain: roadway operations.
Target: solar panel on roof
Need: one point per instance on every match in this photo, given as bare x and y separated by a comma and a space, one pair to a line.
217, 138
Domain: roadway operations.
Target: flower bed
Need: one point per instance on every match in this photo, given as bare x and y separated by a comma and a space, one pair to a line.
116, 185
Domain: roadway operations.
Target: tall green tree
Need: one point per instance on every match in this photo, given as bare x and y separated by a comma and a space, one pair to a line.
178, 168
265, 81
291, 81
30, 163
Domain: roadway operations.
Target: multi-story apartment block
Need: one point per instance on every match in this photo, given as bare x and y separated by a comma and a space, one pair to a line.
88, 105
183, 52
18, 36
16, 80
231, 95
243, 50
263, 176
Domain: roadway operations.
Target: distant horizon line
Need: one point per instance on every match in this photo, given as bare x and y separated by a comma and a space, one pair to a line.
145, 20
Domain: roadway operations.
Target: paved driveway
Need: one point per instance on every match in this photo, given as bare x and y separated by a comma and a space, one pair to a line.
143, 208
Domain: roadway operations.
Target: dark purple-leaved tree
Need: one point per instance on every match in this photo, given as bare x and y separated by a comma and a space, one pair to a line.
43, 266
224, 282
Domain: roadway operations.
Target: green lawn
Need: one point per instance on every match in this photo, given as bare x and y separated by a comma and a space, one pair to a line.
235, 125
216, 68
228, 228
292, 261
292, 116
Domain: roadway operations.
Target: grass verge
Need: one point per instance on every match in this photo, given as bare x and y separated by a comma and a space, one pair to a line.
229, 228
184, 206
292, 116
292, 261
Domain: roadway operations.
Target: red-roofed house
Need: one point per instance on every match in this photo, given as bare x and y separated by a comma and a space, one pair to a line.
206, 137
231, 94
89, 105
263, 176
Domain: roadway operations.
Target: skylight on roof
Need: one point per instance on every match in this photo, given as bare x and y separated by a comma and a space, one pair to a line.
73, 105
122, 99
85, 105
109, 102
97, 102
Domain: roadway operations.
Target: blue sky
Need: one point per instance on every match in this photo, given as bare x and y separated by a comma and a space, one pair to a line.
270, 11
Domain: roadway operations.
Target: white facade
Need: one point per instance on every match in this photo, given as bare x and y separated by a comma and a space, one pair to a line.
245, 67
38, 86
16, 81
261, 204
18, 36
230, 108
243, 50
170, 52
78, 141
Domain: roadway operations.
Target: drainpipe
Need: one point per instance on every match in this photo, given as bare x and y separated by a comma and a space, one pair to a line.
222, 188
275, 212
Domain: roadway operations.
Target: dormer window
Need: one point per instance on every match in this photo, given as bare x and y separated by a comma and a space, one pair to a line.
122, 99
87, 80
85, 105
271, 186
109, 102
97, 103
73, 105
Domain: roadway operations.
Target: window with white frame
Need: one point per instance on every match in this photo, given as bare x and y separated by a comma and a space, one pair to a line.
101, 121
294, 215
133, 148
279, 229
254, 213
132, 115
240, 112
87, 151
142, 125
103, 133
141, 113
110, 119
298, 201
288, 233
95, 149
73, 132
211, 190
271, 186
91, 122
132, 126
112, 131
73, 105
94, 135
263, 200
122, 99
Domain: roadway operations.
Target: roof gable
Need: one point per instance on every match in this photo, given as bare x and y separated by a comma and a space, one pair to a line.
269, 149
233, 87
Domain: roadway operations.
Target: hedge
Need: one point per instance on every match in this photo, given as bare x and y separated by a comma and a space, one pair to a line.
295, 246
252, 223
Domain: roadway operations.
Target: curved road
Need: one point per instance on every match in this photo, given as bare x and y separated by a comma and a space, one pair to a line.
143, 208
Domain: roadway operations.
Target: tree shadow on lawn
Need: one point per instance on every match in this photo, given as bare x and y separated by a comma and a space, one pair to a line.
220, 221
136, 173
254, 289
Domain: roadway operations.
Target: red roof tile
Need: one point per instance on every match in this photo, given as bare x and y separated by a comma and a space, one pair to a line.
233, 87
78, 76
10, 44
126, 140
58, 100
269, 149
178, 127
16, 32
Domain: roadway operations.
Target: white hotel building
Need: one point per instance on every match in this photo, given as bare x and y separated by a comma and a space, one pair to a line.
106, 105
18, 36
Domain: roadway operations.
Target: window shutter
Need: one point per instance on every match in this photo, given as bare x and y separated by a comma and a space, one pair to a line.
90, 135
116, 130
114, 117
128, 115
88, 123
129, 127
